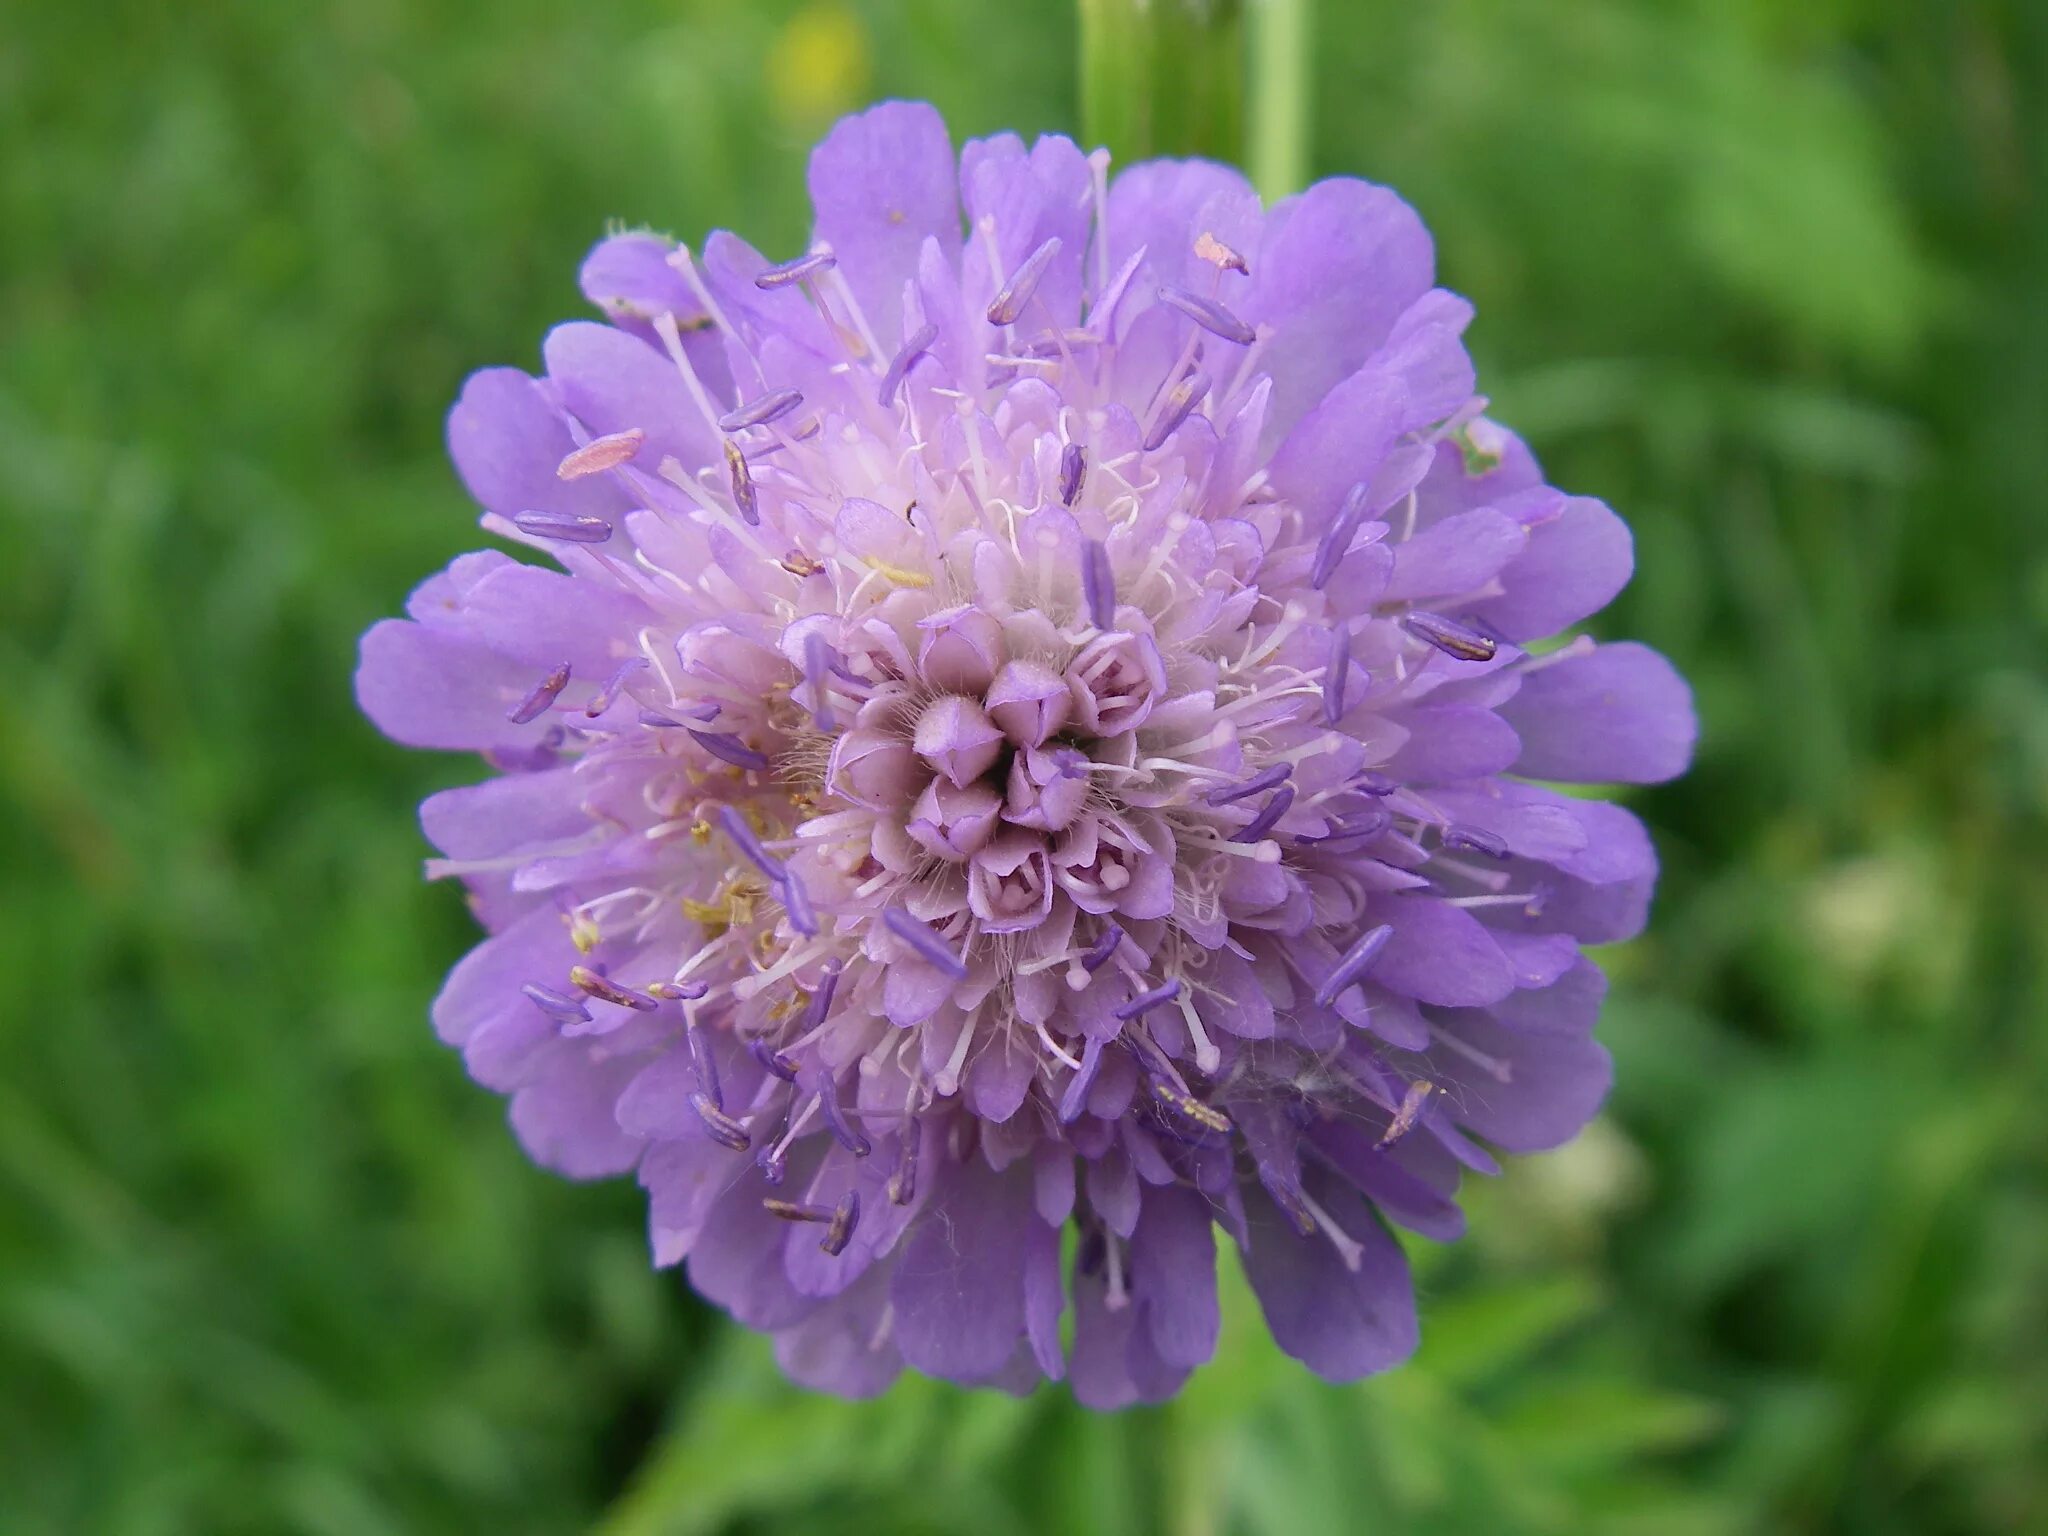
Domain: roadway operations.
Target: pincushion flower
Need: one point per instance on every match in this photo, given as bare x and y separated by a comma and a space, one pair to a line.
1033, 723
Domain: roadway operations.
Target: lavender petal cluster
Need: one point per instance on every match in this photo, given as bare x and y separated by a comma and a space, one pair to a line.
1033, 720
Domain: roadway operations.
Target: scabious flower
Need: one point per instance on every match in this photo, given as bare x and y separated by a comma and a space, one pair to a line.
1035, 725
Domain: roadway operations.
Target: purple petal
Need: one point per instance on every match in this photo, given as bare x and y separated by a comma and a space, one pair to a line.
1619, 714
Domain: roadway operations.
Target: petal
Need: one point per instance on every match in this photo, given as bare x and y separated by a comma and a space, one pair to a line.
507, 443
1543, 1089
1440, 954
1173, 1271
1453, 557
1575, 562
615, 382
1618, 714
434, 688
959, 1285
1339, 1322
881, 182
1447, 742
565, 1120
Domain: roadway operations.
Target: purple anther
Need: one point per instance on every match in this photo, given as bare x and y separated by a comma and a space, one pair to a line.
843, 1130
1244, 789
608, 695
545, 692
839, 1228
821, 996
929, 945
1073, 470
1268, 817
796, 904
1378, 785
564, 527
818, 667
1076, 1096
1356, 961
704, 1064
720, 1126
1179, 401
750, 844
1208, 314
772, 1061
723, 744
903, 1182
1476, 840
1099, 953
1336, 672
1016, 293
743, 493
559, 1006
1098, 584
758, 412
773, 1163
1164, 993
605, 990
1452, 638
1335, 543
808, 265
913, 348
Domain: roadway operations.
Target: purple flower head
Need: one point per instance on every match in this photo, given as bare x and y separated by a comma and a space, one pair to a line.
1031, 722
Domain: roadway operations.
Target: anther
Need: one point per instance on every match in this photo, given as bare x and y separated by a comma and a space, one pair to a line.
1268, 817
743, 492
1335, 543
1356, 961
1336, 672
609, 693
750, 844
1073, 471
796, 903
545, 692
721, 1127
1076, 1096
723, 744
817, 667
821, 999
843, 1130
558, 1006
839, 1230
1208, 248
678, 991
1138, 1005
1408, 1113
704, 1064
772, 406
1179, 402
772, 1061
1099, 954
808, 265
1016, 293
565, 527
903, 1182
914, 347
1208, 314
1477, 840
1450, 637
1189, 1107
1098, 584
1244, 789
584, 979
600, 454
920, 937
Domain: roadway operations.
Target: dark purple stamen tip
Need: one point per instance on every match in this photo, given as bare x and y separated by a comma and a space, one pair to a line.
772, 1061
679, 991
1164, 993
721, 1127
1208, 314
1335, 543
1099, 953
839, 1228
1336, 672
563, 527
1476, 840
1244, 789
1356, 961
796, 904
920, 937
903, 1182
818, 667
1352, 830
808, 265
724, 744
743, 492
821, 997
1378, 784
1076, 1096
1073, 471
1452, 638
1179, 402
558, 1006
1268, 817
750, 844
704, 1064
605, 990
843, 1130
1098, 584
1016, 293
608, 695
773, 1164
772, 406
906, 357
545, 692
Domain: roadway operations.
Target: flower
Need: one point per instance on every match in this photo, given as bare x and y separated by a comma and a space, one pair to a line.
1034, 724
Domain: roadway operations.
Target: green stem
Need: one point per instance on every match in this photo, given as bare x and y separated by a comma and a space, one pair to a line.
1282, 95
1163, 77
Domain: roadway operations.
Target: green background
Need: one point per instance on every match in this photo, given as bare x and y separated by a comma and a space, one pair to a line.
1771, 278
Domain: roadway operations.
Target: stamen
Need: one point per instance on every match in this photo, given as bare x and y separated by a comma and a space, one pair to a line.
1189, 1107
1353, 827
609, 693
1016, 293
1357, 960
584, 979
565, 527
1178, 404
773, 1164
839, 1230
723, 1129
920, 937
662, 720
751, 845
1073, 470
1476, 839
1104, 947
821, 1000
772, 1060
817, 667
545, 692
1336, 672
743, 484
1268, 817
1098, 584
1410, 1111
1450, 637
795, 271
843, 1131
772, 406
1165, 993
1208, 248
704, 1064
1348, 1249
1376, 784
558, 1006
1076, 1095
724, 744
1244, 789
1335, 543
906, 357
600, 454
796, 904
903, 1182
1208, 314
679, 991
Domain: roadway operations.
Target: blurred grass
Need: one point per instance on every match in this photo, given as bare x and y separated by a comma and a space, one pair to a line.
1769, 278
